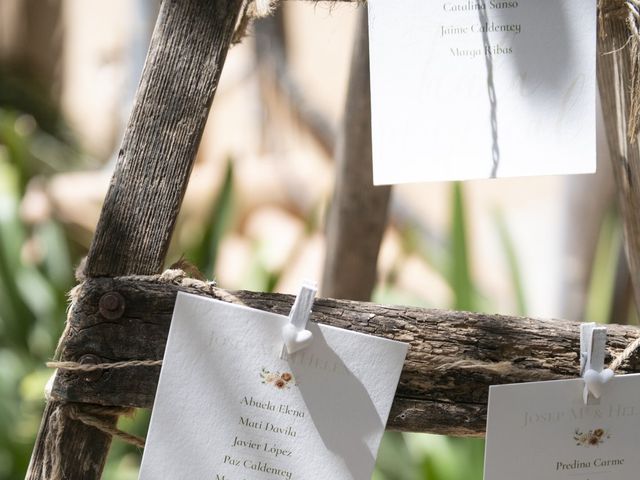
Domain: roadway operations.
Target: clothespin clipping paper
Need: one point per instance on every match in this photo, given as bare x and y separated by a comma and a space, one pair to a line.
593, 340
295, 334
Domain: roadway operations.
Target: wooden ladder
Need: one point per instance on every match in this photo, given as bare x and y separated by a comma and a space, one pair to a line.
122, 309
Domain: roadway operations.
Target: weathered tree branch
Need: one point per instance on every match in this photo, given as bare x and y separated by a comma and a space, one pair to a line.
453, 358
172, 104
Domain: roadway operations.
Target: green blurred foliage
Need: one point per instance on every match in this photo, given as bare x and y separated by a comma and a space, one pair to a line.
35, 275
205, 253
603, 275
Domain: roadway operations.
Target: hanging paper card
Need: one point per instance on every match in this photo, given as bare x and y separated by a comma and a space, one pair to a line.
464, 89
228, 408
544, 430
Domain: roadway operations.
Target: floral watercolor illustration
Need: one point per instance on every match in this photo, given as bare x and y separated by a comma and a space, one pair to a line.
591, 438
279, 380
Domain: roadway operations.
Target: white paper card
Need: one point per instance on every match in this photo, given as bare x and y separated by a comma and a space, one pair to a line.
543, 430
443, 108
227, 407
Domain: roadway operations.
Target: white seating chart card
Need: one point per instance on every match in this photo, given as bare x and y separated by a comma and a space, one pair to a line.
228, 408
544, 430
465, 89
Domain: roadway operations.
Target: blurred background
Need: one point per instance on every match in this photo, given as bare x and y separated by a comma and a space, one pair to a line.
254, 214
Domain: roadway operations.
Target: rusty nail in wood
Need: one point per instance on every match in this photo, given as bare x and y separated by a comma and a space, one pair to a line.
91, 359
111, 305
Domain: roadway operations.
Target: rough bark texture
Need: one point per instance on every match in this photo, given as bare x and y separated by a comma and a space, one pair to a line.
83, 449
181, 72
358, 215
615, 70
453, 358
178, 83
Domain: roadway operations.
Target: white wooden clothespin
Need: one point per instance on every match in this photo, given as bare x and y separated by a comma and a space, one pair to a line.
593, 341
295, 334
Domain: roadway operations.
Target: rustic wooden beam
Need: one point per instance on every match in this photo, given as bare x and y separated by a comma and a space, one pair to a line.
358, 214
453, 358
181, 73
172, 104
615, 71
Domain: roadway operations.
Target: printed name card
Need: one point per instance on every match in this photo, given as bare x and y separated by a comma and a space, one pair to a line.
465, 89
228, 408
544, 430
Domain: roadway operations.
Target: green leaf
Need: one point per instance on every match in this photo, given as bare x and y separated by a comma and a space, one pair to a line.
460, 273
205, 255
512, 261
600, 298
394, 460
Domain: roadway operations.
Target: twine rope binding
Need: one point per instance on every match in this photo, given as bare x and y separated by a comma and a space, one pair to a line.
627, 353
92, 367
91, 415
252, 9
255, 9
99, 417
